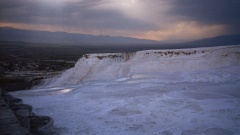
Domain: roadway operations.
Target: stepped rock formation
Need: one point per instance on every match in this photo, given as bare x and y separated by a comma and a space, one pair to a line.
109, 66
180, 92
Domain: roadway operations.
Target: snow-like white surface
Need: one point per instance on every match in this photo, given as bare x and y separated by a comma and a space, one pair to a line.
94, 67
189, 91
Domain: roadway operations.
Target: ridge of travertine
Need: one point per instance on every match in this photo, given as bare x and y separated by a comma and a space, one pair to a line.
108, 66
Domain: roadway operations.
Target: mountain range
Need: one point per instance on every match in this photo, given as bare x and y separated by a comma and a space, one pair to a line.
12, 34
34, 36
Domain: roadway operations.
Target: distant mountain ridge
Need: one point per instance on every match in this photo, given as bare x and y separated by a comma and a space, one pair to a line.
33, 36
219, 40
12, 34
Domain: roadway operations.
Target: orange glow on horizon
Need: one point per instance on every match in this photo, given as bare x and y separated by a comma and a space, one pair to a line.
184, 31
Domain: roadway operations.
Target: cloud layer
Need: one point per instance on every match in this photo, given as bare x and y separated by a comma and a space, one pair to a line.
171, 20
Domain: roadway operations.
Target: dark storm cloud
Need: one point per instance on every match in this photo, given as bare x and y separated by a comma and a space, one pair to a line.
70, 13
226, 12
151, 19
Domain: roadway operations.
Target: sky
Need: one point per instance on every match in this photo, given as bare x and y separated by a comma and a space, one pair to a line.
163, 20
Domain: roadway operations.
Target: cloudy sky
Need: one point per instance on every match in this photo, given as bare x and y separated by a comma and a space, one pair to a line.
165, 20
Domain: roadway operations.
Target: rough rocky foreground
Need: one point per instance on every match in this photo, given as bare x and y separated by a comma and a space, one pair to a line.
35, 125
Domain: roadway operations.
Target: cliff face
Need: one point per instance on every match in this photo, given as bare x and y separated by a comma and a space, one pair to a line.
111, 66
